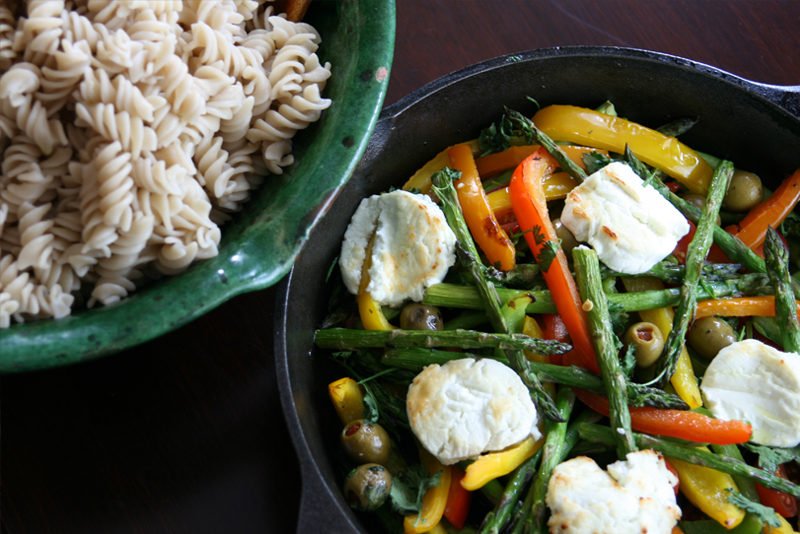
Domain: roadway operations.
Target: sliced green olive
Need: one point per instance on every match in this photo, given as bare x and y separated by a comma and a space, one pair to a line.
709, 335
744, 192
420, 317
367, 487
568, 241
647, 339
366, 443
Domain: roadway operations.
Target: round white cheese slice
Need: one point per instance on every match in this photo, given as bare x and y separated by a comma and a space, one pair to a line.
466, 407
753, 382
413, 249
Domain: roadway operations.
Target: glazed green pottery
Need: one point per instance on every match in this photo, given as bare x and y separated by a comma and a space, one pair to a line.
260, 244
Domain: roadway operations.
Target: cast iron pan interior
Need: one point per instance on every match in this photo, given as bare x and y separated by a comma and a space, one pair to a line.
752, 124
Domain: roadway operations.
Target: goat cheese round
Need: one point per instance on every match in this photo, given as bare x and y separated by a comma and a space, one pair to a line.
632, 227
753, 382
466, 407
413, 249
634, 496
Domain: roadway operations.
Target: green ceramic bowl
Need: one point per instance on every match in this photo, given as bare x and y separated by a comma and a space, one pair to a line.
259, 246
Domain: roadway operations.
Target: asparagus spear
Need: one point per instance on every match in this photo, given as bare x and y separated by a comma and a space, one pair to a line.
695, 258
673, 273
524, 275
416, 358
495, 520
348, 339
551, 457
587, 266
467, 297
527, 129
466, 250
693, 455
677, 127
777, 260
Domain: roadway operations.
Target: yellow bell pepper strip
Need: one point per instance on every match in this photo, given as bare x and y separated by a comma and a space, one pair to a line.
683, 379
435, 499
785, 528
347, 399
482, 223
422, 178
372, 317
591, 128
708, 489
510, 158
556, 187
496, 464
771, 212
530, 208
758, 306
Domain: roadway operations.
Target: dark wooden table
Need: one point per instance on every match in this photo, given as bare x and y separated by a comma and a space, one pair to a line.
185, 434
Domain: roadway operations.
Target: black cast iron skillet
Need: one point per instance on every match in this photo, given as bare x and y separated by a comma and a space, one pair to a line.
752, 124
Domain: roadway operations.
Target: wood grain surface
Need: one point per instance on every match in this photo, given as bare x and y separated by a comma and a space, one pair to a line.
185, 434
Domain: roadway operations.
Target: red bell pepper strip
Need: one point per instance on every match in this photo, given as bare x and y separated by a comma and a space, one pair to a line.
530, 208
784, 504
555, 329
683, 244
771, 212
458, 500
482, 223
691, 426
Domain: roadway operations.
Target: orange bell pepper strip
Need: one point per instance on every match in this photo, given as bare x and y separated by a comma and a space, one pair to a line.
691, 426
435, 499
530, 208
591, 128
422, 178
771, 212
369, 310
510, 158
482, 223
458, 500
759, 306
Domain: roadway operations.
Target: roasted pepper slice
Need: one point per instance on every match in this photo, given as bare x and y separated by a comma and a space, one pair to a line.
510, 158
760, 306
347, 399
591, 128
482, 223
435, 500
496, 464
422, 178
369, 310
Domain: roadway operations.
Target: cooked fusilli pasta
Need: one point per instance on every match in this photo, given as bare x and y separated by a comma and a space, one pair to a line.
130, 130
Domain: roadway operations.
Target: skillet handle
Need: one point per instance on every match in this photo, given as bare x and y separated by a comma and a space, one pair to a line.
785, 96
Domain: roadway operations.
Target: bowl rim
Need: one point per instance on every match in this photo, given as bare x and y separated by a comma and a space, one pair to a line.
318, 502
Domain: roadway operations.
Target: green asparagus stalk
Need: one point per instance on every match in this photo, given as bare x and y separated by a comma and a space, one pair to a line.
587, 267
467, 297
495, 520
695, 258
467, 320
677, 127
524, 275
416, 358
777, 259
693, 455
673, 273
551, 457
527, 129
466, 249
349, 339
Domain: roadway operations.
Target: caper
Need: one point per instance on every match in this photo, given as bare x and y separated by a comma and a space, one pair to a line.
709, 335
744, 192
647, 339
698, 201
420, 317
366, 443
367, 487
568, 241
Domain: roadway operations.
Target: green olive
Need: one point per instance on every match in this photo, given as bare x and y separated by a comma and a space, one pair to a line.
647, 339
366, 443
699, 201
568, 241
709, 335
367, 487
420, 317
744, 192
